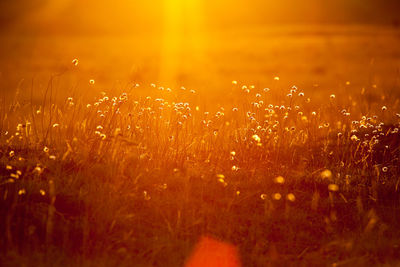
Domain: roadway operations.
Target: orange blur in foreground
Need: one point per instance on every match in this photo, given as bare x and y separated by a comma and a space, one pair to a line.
213, 253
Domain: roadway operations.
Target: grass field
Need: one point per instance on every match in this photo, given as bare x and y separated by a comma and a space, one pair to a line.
283, 141
318, 59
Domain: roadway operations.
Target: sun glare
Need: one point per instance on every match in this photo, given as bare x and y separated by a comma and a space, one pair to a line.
199, 133
183, 39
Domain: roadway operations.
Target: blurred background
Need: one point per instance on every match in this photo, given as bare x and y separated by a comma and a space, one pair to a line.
321, 46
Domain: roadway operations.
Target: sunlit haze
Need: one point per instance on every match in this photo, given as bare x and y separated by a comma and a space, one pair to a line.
199, 133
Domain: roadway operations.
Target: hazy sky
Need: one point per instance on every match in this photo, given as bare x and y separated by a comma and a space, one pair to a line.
119, 15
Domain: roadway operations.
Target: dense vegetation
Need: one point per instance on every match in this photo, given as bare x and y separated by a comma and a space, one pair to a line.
138, 177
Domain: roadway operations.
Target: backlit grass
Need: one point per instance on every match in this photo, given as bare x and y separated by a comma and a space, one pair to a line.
139, 176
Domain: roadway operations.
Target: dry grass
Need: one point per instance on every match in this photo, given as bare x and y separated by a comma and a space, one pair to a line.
138, 173
140, 178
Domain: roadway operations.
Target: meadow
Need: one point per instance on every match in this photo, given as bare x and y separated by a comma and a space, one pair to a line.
282, 141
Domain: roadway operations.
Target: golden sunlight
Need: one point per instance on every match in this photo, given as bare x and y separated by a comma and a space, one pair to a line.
183, 40
199, 133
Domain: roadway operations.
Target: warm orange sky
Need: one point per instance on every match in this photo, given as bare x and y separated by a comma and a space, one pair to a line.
201, 42
125, 15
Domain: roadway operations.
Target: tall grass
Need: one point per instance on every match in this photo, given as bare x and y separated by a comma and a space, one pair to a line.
136, 179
